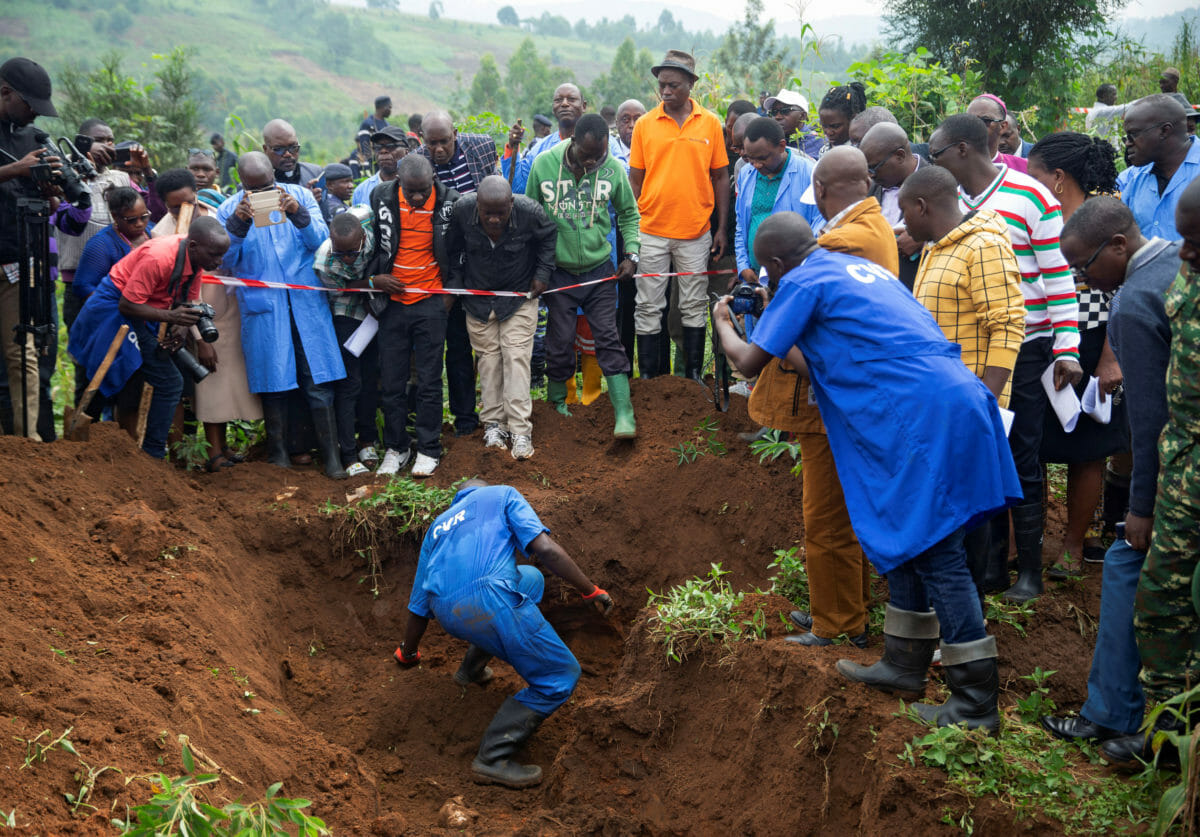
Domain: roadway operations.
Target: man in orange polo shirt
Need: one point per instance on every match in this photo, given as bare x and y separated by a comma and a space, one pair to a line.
411, 216
678, 170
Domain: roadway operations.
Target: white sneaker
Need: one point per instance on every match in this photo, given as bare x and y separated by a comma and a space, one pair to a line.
495, 436
740, 388
424, 466
355, 469
522, 447
368, 456
393, 461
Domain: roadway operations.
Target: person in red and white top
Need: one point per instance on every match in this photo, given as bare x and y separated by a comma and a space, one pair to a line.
1034, 219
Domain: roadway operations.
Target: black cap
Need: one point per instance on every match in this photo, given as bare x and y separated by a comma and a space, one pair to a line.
31, 82
338, 171
542, 119
392, 132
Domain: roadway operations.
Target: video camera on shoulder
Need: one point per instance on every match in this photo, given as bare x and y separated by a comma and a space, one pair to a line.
746, 300
70, 178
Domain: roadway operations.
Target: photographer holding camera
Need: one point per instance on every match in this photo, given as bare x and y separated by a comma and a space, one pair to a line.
156, 283
24, 96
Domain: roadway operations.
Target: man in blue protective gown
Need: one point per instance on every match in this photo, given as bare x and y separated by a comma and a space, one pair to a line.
919, 446
468, 579
287, 336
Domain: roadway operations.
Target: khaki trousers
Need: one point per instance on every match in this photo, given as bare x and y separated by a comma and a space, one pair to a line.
502, 352
839, 577
10, 318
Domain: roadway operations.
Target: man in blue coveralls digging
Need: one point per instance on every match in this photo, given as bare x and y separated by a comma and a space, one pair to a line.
468, 579
918, 443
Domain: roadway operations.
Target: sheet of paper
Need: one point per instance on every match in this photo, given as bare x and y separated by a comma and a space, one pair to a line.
1064, 402
1100, 411
1007, 417
362, 336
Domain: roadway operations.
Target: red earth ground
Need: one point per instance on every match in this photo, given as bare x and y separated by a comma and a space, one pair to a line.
142, 602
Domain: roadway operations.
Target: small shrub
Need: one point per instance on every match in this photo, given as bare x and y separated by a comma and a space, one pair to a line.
701, 610
791, 578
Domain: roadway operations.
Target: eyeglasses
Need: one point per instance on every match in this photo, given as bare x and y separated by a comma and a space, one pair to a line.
1131, 136
1081, 272
133, 219
872, 169
988, 120
294, 148
346, 254
782, 110
933, 155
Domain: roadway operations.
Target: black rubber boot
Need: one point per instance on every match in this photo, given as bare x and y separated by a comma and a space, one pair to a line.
976, 542
512, 726
647, 350
974, 682
693, 353
325, 426
1027, 532
909, 639
1116, 500
474, 668
995, 576
275, 423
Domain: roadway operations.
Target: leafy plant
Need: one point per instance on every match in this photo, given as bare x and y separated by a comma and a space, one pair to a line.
193, 449
1038, 703
177, 808
404, 508
791, 578
917, 89
1016, 614
772, 446
1178, 801
35, 750
703, 442
701, 610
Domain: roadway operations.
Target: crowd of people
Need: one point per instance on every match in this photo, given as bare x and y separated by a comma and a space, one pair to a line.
940, 321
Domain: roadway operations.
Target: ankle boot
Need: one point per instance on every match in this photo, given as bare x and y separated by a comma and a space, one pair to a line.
974, 682
474, 668
325, 426
275, 424
693, 353
511, 727
647, 352
624, 425
556, 394
909, 639
1027, 531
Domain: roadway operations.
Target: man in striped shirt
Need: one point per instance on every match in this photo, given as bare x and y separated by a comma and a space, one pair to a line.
1034, 220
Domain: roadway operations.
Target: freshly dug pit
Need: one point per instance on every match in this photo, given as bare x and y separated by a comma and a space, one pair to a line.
141, 603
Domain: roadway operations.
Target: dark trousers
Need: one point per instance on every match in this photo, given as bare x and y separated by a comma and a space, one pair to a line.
412, 337
1029, 404
159, 371
460, 370
349, 392
72, 305
599, 304
316, 395
626, 301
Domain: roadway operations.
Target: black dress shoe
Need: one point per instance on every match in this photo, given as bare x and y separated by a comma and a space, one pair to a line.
801, 619
1128, 752
815, 641
1077, 728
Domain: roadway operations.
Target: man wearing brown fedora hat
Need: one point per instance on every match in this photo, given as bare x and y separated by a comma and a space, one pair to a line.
678, 169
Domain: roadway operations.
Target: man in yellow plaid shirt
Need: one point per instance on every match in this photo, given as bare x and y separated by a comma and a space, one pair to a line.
969, 280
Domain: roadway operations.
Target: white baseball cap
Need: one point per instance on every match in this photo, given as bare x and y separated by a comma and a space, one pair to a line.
787, 97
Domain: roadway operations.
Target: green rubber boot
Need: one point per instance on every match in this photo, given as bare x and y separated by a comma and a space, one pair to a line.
556, 394
625, 427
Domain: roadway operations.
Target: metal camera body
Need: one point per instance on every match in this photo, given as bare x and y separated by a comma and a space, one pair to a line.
746, 300
184, 360
76, 169
206, 327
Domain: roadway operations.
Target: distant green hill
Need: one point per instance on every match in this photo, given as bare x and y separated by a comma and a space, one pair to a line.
318, 66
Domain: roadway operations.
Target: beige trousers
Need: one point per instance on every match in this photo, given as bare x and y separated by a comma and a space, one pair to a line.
10, 318
502, 352
657, 256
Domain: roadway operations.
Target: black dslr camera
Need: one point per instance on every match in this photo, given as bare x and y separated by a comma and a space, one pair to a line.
70, 178
184, 360
746, 300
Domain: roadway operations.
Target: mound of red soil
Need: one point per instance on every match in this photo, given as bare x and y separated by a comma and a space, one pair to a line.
142, 603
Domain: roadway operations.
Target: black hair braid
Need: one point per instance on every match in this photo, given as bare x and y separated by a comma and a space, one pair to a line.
1090, 161
850, 99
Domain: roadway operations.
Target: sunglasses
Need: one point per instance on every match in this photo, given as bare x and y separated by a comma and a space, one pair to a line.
1131, 136
782, 110
133, 219
988, 120
1081, 272
294, 148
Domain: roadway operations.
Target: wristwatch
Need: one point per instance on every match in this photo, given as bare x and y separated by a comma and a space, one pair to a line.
633, 257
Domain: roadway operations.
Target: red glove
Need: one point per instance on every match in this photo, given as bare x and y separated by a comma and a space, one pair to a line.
407, 662
601, 599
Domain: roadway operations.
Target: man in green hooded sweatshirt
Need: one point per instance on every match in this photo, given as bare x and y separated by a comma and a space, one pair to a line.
576, 182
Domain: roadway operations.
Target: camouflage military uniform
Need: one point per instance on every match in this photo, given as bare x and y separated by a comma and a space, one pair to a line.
1168, 630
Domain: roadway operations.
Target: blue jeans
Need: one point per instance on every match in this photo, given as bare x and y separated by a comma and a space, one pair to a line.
1115, 698
939, 577
158, 370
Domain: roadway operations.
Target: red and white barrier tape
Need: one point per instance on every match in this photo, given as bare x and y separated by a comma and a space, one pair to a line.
231, 281
1089, 110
